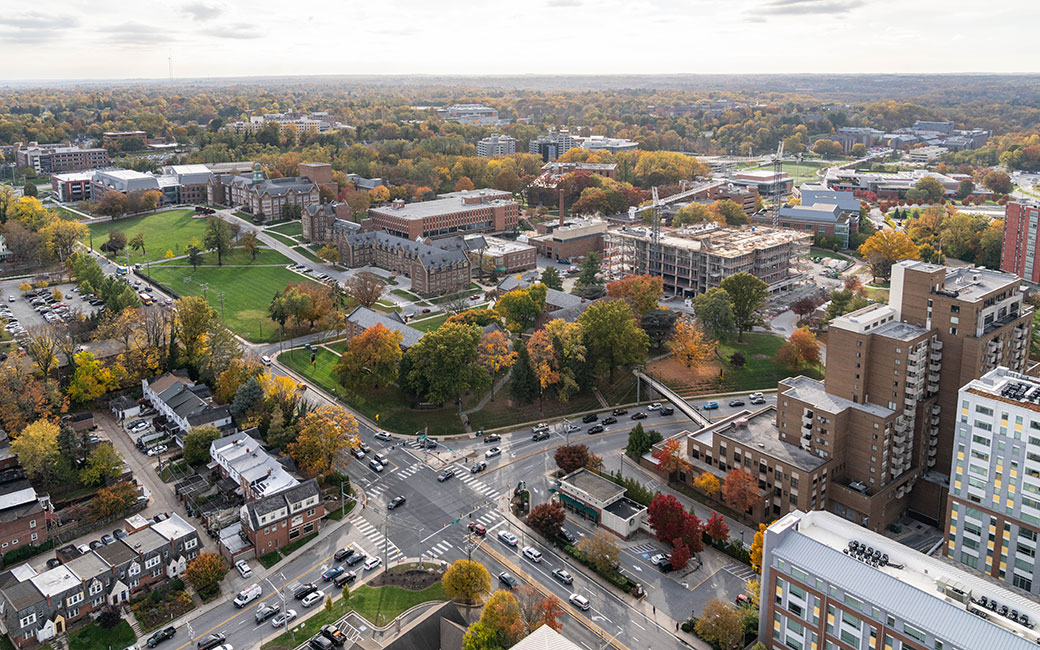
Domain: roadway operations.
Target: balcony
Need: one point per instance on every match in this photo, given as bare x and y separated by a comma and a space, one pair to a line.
935, 356
935, 409
933, 376
937, 344
932, 452
933, 387
935, 420
934, 368
909, 413
993, 346
910, 402
900, 439
931, 462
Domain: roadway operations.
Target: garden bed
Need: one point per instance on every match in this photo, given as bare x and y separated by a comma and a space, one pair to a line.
162, 605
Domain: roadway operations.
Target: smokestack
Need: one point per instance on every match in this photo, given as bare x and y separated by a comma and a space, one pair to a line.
561, 204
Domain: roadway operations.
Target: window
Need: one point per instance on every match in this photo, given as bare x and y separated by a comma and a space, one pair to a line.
152, 561
28, 620
75, 599
913, 632
191, 543
32, 523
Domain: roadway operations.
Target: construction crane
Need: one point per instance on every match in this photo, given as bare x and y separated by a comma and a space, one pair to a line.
655, 238
778, 192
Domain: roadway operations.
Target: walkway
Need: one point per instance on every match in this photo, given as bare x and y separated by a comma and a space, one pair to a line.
684, 407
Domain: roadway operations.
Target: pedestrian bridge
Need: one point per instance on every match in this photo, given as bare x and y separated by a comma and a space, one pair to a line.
681, 405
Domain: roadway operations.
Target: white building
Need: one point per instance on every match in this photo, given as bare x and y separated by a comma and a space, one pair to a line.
473, 114
182, 404
994, 499
496, 145
830, 583
242, 459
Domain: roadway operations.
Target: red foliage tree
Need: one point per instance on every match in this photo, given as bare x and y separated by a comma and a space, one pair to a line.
667, 517
693, 533
716, 528
680, 555
739, 490
571, 457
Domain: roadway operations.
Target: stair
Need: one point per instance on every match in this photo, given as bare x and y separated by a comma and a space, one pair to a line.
128, 615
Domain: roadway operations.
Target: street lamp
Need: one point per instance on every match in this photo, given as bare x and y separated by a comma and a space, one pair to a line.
607, 642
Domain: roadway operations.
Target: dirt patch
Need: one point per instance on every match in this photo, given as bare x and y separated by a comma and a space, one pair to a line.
676, 375
414, 579
760, 357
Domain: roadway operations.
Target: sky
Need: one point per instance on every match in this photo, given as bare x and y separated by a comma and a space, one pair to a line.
123, 39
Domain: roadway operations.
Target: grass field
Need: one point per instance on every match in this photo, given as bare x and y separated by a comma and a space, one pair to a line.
239, 257
289, 228
823, 252
380, 605
246, 295
406, 295
282, 238
430, 324
389, 404
308, 253
800, 172
172, 230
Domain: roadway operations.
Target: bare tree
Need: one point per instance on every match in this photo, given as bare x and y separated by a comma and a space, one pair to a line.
365, 288
41, 346
456, 303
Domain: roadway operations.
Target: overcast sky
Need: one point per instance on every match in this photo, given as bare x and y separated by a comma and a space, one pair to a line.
116, 39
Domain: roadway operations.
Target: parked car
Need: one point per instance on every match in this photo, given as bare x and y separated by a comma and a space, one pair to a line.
332, 573
656, 406
445, 475
344, 578
319, 643
619, 412
265, 611
243, 568
639, 415
382, 458
532, 554
211, 641
610, 419
710, 406
119, 533
160, 636
477, 529
492, 437
313, 598
288, 616
108, 539
568, 536
373, 562
53, 563
491, 453
384, 436
508, 580
356, 558
591, 417
507, 538
332, 633
596, 428
396, 501
304, 590
343, 554
579, 601
563, 576
477, 468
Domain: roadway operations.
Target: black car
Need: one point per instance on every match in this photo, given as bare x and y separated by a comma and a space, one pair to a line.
266, 611
591, 417
398, 500
356, 558
596, 428
319, 643
610, 419
343, 554
667, 410
665, 567
640, 415
332, 633
568, 536
344, 578
309, 588
619, 412
492, 437
53, 563
541, 435
736, 402
212, 641
508, 580
161, 636
478, 468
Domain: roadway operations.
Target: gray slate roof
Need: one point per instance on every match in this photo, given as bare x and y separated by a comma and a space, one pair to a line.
430, 257
272, 186
278, 500
366, 318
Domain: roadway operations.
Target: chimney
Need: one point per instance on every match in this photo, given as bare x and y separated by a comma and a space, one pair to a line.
397, 204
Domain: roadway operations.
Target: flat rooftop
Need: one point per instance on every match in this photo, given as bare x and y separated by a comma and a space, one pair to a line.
498, 246
811, 391
757, 430
445, 205
914, 591
1007, 386
625, 508
901, 331
56, 581
722, 242
594, 485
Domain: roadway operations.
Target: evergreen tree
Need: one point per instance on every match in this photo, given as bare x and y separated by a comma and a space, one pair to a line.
551, 278
523, 386
589, 285
248, 394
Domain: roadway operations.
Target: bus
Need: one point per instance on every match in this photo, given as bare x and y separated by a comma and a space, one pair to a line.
145, 298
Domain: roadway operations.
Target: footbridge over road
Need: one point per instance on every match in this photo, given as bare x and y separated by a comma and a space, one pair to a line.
684, 407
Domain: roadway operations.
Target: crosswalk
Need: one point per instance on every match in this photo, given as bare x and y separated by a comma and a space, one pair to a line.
644, 548
381, 542
438, 548
463, 474
405, 472
742, 571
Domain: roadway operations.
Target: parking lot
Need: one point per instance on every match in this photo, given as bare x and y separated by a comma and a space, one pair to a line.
38, 307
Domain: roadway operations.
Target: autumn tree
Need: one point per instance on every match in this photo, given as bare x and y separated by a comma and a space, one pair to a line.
571, 457
557, 354
600, 548
90, 380
756, 548
714, 311
547, 518
680, 555
612, 337
641, 292
547, 611
197, 442
237, 373
998, 181
444, 364
800, 349
371, 359
669, 456
886, 247
804, 307
520, 307
321, 435
740, 490
219, 237
364, 288
192, 324
466, 580
114, 500
496, 354
716, 528
708, 483
721, 625
41, 346
36, 448
689, 345
102, 464
205, 572
929, 188
666, 516
112, 204
502, 615
729, 211
250, 244
748, 294
692, 214
60, 237
328, 254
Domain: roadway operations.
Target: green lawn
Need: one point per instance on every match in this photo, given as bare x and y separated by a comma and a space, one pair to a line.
308, 253
289, 228
388, 406
239, 257
380, 605
340, 347
171, 230
246, 295
93, 637
65, 213
823, 252
430, 324
800, 172
500, 413
282, 238
406, 295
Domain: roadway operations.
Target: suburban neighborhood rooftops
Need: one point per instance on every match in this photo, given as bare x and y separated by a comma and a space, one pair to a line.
173, 527
23, 594
23, 494
56, 581
146, 540
88, 565
117, 554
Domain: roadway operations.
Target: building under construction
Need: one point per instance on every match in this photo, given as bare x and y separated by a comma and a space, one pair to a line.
693, 260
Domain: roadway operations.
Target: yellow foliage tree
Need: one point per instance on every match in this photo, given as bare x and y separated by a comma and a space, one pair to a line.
756, 548
690, 345
322, 435
496, 354
886, 247
708, 483
37, 447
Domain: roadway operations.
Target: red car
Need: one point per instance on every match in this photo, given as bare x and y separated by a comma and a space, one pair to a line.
477, 529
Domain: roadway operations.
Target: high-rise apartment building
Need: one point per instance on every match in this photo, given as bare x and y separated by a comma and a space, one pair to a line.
496, 145
994, 501
830, 584
1021, 236
552, 146
56, 158
876, 436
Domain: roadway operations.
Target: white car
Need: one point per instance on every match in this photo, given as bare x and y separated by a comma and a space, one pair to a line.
532, 554
756, 396
384, 436
571, 428
288, 616
312, 598
266, 360
656, 406
579, 601
539, 428
507, 538
491, 453
158, 449
243, 568
372, 563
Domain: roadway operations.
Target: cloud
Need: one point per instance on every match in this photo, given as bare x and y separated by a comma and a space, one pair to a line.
564, 3
239, 32
809, 7
135, 33
34, 27
201, 11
